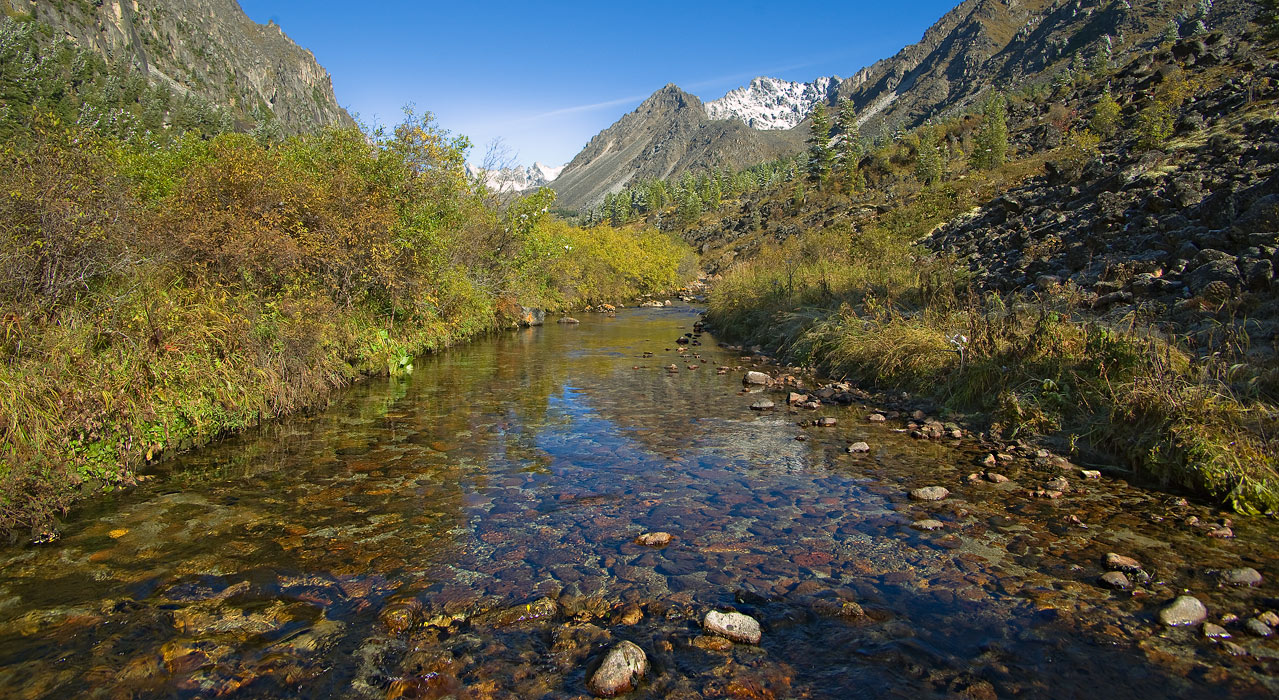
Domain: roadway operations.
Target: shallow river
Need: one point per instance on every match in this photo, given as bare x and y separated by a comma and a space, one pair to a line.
469, 531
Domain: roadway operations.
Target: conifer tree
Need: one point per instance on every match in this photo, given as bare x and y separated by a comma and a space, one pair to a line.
820, 157
851, 149
928, 162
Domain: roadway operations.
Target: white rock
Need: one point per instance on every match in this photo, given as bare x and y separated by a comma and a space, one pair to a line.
734, 626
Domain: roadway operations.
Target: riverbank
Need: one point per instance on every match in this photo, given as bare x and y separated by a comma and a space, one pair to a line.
157, 297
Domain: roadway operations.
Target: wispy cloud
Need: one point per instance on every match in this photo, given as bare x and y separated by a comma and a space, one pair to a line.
575, 109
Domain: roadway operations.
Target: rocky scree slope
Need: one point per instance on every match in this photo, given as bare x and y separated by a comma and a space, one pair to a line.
1003, 44
1185, 237
666, 136
208, 48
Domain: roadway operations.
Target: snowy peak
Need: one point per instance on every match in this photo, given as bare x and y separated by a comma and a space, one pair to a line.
771, 103
517, 178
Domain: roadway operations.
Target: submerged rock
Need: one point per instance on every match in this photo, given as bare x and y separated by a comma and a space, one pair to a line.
1115, 580
1185, 610
654, 539
1244, 576
858, 448
928, 524
1258, 628
568, 320
1119, 562
929, 493
762, 405
621, 670
734, 626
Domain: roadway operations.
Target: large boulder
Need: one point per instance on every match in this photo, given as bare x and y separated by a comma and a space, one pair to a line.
1225, 271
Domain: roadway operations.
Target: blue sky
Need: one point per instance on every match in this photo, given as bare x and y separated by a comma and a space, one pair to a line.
546, 77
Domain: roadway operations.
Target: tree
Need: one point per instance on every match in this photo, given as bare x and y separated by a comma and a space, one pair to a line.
992, 138
1105, 115
820, 156
690, 206
928, 162
851, 149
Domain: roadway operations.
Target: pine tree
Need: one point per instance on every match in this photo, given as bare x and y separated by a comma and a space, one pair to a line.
992, 138
820, 157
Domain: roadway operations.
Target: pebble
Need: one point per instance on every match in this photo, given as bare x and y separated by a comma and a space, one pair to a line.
995, 478
928, 524
755, 378
1258, 628
929, 493
876, 418
654, 539
1118, 562
825, 422
1269, 618
858, 447
1185, 610
1244, 576
1089, 474
734, 626
620, 671
1214, 631
1115, 580
762, 405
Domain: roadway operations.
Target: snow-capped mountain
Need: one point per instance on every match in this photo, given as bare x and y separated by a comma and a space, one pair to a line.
518, 178
771, 103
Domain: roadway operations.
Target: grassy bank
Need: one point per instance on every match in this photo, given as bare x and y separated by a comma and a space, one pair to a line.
871, 307
154, 295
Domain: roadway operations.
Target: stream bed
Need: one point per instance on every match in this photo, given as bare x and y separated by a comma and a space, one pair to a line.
469, 531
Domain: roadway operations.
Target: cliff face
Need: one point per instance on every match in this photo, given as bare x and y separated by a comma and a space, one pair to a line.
208, 48
666, 136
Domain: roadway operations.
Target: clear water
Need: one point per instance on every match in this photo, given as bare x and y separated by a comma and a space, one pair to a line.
468, 531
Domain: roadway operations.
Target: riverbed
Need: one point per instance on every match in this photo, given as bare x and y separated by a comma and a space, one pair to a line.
469, 530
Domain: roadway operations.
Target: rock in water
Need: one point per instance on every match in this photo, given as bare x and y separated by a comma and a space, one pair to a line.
762, 405
1245, 576
654, 539
568, 319
734, 626
858, 448
755, 378
1118, 562
1115, 580
620, 671
1185, 610
929, 493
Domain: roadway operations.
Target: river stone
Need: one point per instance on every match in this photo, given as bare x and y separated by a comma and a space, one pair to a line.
825, 422
928, 524
995, 478
762, 405
1089, 474
1269, 618
1058, 484
620, 671
929, 493
654, 539
1118, 562
1214, 631
1258, 628
876, 418
733, 625
1115, 580
568, 319
712, 643
1244, 576
755, 378
1185, 610
858, 447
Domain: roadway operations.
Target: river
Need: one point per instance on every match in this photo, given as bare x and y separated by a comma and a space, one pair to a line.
469, 530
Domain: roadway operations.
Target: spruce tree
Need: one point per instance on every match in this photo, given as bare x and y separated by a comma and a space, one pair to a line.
851, 149
928, 161
820, 157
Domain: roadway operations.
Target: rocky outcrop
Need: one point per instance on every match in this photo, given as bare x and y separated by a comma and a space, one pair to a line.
207, 48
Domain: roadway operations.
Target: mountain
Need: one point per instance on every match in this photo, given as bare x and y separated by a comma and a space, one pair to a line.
770, 103
517, 178
206, 48
982, 45
666, 136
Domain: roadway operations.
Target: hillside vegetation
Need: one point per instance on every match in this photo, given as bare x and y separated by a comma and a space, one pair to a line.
1089, 258
168, 282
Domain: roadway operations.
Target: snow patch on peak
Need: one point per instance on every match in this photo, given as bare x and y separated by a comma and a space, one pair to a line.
517, 178
772, 103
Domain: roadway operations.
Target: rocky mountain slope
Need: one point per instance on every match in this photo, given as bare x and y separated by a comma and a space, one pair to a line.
669, 134
1003, 44
208, 48
770, 103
